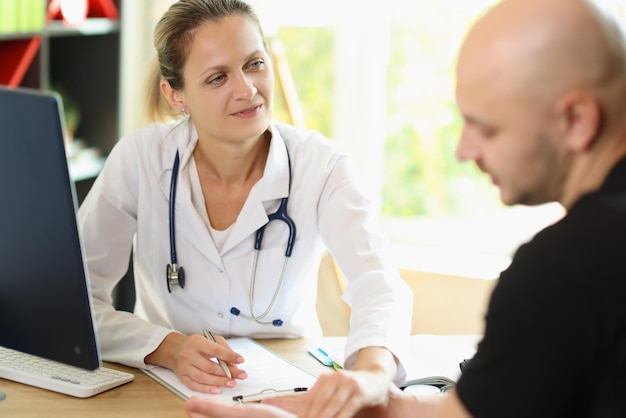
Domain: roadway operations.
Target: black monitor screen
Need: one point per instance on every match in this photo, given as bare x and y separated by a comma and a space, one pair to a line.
45, 306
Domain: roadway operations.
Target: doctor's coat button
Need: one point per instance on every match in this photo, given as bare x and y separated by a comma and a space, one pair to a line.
221, 315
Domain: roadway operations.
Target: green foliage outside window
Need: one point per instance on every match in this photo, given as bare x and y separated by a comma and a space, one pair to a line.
424, 178
422, 174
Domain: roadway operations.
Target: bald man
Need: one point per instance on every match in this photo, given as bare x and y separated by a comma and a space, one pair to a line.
541, 86
542, 90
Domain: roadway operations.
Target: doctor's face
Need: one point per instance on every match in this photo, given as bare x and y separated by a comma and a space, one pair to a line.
228, 81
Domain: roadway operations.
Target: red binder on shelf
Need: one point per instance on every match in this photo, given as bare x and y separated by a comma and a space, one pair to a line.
17, 56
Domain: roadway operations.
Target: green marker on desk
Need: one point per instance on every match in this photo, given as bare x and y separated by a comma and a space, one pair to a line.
337, 362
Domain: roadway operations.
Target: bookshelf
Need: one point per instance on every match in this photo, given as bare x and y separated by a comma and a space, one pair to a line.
40, 49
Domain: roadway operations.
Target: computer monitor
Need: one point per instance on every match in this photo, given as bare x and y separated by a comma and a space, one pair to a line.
45, 303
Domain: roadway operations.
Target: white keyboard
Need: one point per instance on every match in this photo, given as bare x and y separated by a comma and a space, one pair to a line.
58, 377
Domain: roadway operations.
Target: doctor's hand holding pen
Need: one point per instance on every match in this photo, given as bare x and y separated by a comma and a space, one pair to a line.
191, 360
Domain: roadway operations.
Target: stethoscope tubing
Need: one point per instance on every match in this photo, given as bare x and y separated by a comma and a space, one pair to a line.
171, 208
279, 215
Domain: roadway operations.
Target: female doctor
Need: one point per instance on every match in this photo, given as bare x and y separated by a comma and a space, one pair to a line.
228, 214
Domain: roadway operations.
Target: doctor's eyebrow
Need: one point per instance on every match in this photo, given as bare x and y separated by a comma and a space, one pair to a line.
223, 68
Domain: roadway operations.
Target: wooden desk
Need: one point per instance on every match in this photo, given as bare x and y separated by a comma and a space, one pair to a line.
143, 397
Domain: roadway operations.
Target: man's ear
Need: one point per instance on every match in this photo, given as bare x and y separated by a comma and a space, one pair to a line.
172, 96
580, 119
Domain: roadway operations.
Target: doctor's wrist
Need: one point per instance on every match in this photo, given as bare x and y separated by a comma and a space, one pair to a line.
377, 360
166, 353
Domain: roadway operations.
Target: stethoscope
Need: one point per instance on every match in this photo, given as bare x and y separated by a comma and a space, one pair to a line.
175, 274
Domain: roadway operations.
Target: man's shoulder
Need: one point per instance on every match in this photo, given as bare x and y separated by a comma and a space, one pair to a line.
595, 217
590, 239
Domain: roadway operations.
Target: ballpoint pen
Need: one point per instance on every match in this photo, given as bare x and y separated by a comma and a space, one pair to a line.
268, 393
209, 336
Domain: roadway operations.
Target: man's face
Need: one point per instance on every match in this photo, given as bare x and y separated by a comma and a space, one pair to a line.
508, 132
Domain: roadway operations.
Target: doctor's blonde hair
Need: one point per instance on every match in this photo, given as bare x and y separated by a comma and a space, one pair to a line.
173, 36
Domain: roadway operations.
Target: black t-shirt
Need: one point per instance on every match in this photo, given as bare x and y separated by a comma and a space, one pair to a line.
555, 336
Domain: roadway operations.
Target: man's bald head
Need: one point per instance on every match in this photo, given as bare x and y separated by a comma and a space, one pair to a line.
545, 47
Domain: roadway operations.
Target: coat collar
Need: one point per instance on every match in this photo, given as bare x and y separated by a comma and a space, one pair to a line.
181, 137
277, 174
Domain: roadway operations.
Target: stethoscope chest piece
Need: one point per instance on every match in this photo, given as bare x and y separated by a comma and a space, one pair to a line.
175, 276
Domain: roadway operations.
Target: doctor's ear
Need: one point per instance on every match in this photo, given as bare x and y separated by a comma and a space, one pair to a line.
173, 97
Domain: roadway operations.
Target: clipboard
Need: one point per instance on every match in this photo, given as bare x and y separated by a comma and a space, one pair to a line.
269, 376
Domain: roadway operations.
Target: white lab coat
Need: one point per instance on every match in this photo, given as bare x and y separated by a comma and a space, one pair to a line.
128, 205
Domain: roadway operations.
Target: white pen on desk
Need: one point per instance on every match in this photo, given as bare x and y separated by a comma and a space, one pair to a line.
209, 336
